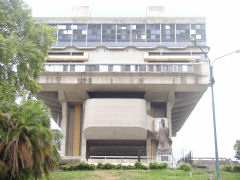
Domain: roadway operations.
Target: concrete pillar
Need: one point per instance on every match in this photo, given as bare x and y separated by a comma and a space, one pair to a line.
76, 131
83, 146
70, 125
148, 149
170, 103
169, 114
64, 127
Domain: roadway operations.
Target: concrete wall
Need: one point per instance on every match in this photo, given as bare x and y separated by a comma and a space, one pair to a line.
103, 55
115, 119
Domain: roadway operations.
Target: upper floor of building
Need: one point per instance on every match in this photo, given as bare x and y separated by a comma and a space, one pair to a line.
81, 30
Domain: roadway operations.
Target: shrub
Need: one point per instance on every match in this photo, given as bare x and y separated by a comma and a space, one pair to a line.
185, 167
108, 166
227, 168
236, 168
163, 166
91, 167
155, 165
77, 166
118, 166
139, 165
128, 167
100, 165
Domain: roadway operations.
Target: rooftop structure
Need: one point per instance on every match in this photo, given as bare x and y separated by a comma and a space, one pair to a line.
110, 81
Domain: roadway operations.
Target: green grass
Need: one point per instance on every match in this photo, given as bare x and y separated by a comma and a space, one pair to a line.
166, 174
229, 176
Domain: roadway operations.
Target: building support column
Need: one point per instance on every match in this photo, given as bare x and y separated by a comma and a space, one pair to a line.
83, 146
76, 131
64, 127
148, 149
170, 103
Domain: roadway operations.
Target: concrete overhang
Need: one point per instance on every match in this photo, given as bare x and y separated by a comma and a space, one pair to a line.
126, 20
115, 119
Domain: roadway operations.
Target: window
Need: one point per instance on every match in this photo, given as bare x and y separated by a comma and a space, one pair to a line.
108, 32
80, 68
125, 68
153, 32
150, 68
92, 68
168, 32
72, 68
182, 32
116, 68
65, 67
198, 32
79, 32
64, 33
103, 68
142, 68
123, 32
138, 33
94, 33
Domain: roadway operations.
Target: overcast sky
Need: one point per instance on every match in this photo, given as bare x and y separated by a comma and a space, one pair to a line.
223, 36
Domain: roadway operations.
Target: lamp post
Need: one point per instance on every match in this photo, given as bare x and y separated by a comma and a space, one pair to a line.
212, 81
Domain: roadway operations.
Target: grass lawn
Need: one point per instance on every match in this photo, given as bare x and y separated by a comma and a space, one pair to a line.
167, 174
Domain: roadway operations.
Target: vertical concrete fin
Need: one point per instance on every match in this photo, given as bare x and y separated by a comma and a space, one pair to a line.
153, 148
170, 103
152, 111
76, 129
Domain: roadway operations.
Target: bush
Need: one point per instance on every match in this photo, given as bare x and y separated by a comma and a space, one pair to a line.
77, 166
236, 168
155, 165
139, 165
185, 167
128, 167
227, 168
118, 166
100, 165
108, 166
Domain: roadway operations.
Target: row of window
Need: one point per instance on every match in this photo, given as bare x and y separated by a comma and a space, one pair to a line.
129, 32
118, 68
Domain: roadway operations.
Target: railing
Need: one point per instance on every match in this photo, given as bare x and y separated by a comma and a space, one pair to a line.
210, 159
119, 157
131, 68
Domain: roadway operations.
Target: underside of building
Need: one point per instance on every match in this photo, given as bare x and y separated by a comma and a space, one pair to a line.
110, 81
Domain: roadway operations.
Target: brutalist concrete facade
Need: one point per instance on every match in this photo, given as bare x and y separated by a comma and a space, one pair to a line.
109, 81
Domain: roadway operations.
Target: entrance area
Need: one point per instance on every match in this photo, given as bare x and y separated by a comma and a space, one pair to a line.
116, 148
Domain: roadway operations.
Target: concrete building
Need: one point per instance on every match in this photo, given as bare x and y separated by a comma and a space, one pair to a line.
109, 81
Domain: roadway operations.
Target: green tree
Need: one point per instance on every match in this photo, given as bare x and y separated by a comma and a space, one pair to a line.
237, 149
28, 147
23, 47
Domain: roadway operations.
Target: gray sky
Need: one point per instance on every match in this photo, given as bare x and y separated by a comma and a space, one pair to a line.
223, 36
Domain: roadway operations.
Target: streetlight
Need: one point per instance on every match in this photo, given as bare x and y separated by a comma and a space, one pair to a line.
210, 63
